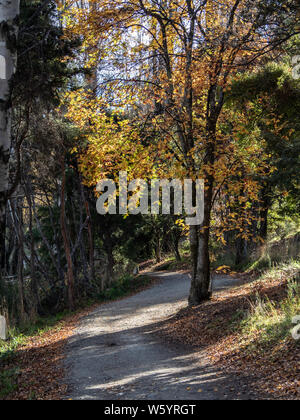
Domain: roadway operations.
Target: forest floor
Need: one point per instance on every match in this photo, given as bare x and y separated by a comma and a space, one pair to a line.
118, 351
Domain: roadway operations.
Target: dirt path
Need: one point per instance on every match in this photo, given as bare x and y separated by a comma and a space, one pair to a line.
116, 354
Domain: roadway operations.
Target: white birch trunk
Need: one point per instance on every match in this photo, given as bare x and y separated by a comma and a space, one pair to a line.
9, 11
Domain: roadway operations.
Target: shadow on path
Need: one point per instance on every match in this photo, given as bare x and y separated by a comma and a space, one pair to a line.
115, 353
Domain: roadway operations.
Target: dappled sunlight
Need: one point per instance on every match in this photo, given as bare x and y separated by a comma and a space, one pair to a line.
117, 348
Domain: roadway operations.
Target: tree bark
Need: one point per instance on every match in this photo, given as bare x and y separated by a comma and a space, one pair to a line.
200, 235
265, 205
2, 237
21, 265
263, 230
158, 250
91, 243
9, 10
241, 251
175, 242
110, 260
34, 285
64, 231
199, 242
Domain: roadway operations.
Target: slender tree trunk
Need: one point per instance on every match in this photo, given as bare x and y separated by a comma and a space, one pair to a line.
263, 231
264, 212
54, 260
242, 242
21, 265
34, 285
91, 243
110, 261
57, 239
158, 249
84, 263
9, 10
241, 250
64, 231
175, 241
3, 240
80, 242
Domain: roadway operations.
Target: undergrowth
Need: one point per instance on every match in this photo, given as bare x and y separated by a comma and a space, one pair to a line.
270, 321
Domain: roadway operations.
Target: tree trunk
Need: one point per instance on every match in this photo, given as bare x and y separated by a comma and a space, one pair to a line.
34, 285
263, 230
241, 250
264, 212
2, 239
200, 285
200, 235
242, 242
91, 243
9, 10
158, 250
110, 261
64, 231
21, 265
175, 241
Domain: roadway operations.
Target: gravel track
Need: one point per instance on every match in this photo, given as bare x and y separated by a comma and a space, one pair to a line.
115, 353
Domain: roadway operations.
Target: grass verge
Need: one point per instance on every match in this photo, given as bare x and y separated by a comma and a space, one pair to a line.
269, 322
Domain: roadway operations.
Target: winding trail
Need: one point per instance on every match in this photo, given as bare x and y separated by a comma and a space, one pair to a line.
115, 353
